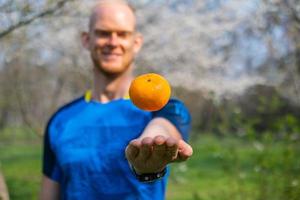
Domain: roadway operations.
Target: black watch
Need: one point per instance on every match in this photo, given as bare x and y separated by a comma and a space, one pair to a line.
149, 177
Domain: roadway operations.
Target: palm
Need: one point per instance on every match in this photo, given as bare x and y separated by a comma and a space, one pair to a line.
151, 155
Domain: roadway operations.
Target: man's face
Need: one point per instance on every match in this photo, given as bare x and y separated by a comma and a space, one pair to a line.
112, 40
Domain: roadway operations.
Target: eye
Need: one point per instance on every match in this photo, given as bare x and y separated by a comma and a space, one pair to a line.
102, 33
124, 34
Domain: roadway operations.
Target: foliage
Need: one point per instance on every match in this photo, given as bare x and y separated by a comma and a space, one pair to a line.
258, 110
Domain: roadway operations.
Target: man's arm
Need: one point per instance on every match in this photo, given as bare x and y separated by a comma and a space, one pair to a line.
160, 144
50, 189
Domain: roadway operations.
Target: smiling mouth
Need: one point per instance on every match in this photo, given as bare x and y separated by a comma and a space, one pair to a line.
111, 55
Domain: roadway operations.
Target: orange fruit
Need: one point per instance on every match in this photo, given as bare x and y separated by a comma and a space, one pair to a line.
150, 92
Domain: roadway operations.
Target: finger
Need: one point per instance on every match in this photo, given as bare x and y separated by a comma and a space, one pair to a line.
146, 148
147, 141
181, 157
171, 149
185, 150
131, 152
159, 140
136, 143
159, 147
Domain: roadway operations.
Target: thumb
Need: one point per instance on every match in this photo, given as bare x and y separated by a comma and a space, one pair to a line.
185, 150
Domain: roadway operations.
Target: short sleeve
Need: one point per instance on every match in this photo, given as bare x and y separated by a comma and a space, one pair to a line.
50, 165
177, 113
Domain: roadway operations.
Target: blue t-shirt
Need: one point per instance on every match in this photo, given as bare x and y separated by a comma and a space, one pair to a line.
84, 148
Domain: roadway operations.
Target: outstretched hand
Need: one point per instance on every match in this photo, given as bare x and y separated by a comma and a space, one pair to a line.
151, 155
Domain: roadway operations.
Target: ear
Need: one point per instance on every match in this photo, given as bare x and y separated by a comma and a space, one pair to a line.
138, 42
85, 40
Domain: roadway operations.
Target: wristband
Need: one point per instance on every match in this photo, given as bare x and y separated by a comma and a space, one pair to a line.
149, 177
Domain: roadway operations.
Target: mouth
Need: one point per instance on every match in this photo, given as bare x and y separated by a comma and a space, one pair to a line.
111, 55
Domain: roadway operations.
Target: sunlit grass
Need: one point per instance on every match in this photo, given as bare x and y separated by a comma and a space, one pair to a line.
238, 168
21, 163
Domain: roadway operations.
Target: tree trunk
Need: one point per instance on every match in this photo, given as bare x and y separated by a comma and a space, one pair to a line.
3, 189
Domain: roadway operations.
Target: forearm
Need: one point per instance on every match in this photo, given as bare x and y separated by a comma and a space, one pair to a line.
160, 126
50, 190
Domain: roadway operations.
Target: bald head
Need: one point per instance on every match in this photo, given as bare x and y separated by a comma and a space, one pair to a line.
112, 39
105, 8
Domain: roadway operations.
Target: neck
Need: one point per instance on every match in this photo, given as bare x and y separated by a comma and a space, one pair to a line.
107, 88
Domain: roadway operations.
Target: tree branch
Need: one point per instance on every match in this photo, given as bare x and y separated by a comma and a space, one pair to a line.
29, 20
293, 11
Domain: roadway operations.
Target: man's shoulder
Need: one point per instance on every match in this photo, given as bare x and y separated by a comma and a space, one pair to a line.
67, 110
175, 109
176, 105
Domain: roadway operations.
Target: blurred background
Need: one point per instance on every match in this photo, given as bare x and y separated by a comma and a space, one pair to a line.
235, 63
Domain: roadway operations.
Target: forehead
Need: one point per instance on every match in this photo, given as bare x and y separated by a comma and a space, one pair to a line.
112, 16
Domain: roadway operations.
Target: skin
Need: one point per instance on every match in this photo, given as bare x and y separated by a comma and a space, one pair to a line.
113, 44
159, 145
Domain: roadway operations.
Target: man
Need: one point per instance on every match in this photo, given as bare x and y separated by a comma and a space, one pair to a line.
101, 146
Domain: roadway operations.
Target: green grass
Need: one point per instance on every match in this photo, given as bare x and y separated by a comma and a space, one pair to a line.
238, 168
20, 160
221, 168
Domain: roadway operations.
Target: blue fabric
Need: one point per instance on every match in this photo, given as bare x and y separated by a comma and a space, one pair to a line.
176, 112
84, 148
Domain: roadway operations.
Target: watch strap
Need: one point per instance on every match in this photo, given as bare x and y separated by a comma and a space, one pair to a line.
149, 177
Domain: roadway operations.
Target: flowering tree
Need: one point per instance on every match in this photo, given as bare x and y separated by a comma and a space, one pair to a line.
219, 47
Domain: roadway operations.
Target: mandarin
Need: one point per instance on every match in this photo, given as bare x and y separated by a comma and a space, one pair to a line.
150, 92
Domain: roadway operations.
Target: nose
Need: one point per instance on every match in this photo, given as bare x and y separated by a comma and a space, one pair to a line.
113, 39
